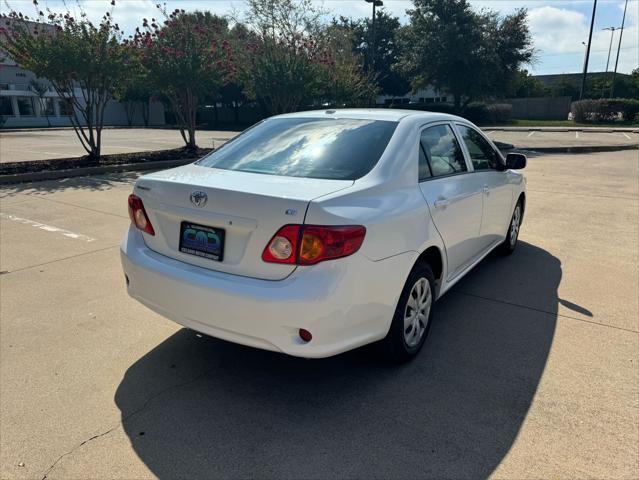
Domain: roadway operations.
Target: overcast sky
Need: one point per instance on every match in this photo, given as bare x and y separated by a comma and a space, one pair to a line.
558, 26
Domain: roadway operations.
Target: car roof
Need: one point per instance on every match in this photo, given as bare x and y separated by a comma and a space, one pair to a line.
388, 114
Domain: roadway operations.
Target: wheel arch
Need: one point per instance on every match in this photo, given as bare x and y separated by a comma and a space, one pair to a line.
522, 199
434, 257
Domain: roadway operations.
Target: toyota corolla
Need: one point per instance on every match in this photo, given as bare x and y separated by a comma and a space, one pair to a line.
318, 232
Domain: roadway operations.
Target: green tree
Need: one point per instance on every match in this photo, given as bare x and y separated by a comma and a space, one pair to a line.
345, 82
466, 53
187, 58
526, 85
387, 49
85, 64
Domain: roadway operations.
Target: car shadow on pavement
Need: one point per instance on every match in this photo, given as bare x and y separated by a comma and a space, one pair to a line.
197, 407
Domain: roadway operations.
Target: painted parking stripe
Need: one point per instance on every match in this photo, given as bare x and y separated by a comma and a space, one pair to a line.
626, 135
531, 133
48, 228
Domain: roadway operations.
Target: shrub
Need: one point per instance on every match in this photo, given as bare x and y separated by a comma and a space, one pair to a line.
499, 112
605, 110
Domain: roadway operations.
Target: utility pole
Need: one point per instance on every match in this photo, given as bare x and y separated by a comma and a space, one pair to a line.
583, 78
614, 74
612, 36
376, 3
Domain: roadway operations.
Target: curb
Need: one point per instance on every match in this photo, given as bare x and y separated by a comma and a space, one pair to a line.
163, 164
84, 171
580, 149
562, 129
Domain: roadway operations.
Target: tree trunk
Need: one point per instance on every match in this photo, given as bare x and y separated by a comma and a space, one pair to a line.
457, 100
236, 112
146, 112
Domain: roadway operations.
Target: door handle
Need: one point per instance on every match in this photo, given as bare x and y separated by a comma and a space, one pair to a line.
442, 203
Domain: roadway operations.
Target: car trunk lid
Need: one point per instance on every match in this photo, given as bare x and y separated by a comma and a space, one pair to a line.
248, 207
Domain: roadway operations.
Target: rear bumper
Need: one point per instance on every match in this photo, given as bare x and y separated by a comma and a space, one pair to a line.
344, 304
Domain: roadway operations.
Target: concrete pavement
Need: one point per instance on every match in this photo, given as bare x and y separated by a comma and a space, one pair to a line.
531, 369
49, 144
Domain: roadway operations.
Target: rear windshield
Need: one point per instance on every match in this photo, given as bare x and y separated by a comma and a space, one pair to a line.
343, 149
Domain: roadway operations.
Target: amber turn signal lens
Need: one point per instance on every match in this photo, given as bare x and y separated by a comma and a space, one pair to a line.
311, 247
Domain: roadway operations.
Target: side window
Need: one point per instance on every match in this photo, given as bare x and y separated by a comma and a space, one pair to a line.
424, 168
443, 151
482, 154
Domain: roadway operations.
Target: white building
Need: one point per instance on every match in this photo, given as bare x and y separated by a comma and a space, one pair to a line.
21, 105
424, 95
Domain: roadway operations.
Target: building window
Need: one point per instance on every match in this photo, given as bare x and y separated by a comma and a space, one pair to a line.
4, 86
25, 106
65, 108
5, 106
47, 107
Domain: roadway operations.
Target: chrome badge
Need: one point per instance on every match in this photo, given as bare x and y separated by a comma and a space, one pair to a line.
199, 198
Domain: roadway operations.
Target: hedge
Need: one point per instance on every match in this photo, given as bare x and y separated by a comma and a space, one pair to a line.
476, 112
605, 110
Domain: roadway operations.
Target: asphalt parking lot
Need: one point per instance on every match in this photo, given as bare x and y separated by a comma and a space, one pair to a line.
49, 144
530, 370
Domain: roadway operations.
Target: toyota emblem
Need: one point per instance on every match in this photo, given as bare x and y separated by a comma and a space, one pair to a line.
199, 198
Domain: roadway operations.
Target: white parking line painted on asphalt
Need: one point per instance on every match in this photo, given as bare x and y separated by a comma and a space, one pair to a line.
490, 133
47, 228
626, 135
576, 134
531, 133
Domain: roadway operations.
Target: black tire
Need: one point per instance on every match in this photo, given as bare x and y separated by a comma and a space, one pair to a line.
395, 346
510, 243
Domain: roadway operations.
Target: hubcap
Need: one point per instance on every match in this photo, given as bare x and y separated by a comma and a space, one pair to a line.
514, 226
417, 312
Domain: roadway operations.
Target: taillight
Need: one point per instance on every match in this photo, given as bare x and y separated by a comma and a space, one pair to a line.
138, 215
311, 244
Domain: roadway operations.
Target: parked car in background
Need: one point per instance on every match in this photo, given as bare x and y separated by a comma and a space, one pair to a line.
317, 232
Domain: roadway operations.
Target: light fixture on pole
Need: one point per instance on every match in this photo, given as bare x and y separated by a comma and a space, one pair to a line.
612, 36
376, 3
614, 74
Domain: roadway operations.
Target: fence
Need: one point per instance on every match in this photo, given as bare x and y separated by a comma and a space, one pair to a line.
540, 108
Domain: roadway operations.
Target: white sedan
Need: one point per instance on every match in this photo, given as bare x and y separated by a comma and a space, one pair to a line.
318, 232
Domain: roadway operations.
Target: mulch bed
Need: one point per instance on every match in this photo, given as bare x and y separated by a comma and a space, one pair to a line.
115, 159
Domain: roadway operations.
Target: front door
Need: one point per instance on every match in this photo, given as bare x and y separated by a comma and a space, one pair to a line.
492, 175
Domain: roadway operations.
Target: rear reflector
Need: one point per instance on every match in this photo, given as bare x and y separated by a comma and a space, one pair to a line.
311, 244
305, 335
138, 215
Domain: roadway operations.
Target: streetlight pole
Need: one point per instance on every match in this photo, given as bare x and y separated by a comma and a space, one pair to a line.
583, 78
612, 36
614, 74
376, 3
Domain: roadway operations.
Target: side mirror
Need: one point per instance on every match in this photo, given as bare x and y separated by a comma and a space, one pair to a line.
515, 161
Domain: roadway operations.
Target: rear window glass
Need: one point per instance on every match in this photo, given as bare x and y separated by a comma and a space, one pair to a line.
344, 149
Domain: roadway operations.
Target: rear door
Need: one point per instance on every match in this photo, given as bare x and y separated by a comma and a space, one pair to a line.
491, 173
453, 195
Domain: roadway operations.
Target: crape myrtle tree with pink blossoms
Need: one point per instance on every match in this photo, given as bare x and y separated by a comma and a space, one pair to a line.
187, 57
84, 62
292, 60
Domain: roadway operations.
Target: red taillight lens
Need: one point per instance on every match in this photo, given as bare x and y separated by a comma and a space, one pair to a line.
311, 244
138, 215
